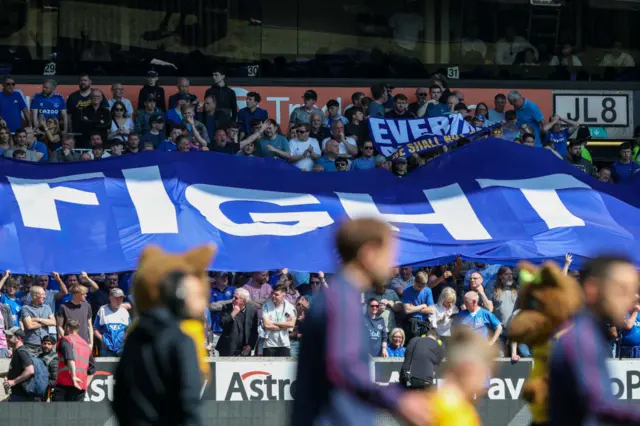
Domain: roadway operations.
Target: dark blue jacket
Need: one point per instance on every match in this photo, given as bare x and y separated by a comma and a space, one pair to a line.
334, 384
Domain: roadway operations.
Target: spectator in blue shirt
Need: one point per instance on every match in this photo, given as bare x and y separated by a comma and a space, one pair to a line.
221, 295
111, 324
174, 116
35, 145
251, 112
156, 134
418, 299
272, 138
630, 332
396, 347
497, 114
366, 161
558, 134
528, 113
10, 298
479, 319
171, 144
49, 104
13, 106
624, 169
328, 160
376, 107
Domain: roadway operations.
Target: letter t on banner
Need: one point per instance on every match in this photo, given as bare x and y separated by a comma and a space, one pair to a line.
451, 209
37, 199
542, 194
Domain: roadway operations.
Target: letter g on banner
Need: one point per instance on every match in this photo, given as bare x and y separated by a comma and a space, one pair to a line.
209, 198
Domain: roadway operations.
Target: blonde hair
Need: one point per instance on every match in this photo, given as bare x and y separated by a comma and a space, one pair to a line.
397, 330
465, 345
422, 278
447, 295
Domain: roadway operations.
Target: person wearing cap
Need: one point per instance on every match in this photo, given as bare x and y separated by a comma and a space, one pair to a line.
152, 88
224, 95
183, 93
342, 164
399, 167
302, 114
111, 324
144, 114
155, 135
49, 358
174, 116
21, 368
76, 365
382, 162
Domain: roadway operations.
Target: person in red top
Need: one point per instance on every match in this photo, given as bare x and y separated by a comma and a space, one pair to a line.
75, 368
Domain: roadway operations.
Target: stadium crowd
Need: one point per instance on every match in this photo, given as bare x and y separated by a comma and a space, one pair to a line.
260, 313
89, 126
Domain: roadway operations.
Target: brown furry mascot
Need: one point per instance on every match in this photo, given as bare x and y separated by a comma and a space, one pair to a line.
163, 370
548, 298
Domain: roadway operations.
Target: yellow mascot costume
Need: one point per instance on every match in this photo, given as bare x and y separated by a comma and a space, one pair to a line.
548, 299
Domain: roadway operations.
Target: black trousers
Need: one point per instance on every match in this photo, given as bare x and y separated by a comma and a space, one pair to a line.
285, 352
67, 393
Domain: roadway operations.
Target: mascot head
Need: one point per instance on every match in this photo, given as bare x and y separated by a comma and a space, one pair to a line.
156, 270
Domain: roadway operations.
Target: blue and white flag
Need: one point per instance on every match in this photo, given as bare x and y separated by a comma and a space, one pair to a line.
389, 134
492, 201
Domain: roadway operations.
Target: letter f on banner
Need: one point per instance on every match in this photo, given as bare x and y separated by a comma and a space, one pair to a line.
37, 199
451, 209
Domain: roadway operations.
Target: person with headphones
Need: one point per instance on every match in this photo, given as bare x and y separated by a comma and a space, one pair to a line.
163, 369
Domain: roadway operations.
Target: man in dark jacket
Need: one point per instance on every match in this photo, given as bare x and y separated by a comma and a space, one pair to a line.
66, 153
574, 156
421, 358
152, 88
50, 359
239, 322
163, 368
224, 95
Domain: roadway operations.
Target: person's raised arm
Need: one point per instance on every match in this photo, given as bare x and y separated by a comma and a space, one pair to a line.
254, 136
63, 288
94, 285
547, 127
568, 259
573, 125
4, 278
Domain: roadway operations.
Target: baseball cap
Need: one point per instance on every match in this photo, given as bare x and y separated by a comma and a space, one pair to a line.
380, 159
152, 73
401, 160
116, 292
184, 97
150, 97
14, 331
310, 94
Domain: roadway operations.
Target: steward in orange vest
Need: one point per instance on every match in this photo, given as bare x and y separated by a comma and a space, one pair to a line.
74, 359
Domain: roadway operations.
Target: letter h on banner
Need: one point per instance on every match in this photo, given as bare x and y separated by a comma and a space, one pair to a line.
451, 209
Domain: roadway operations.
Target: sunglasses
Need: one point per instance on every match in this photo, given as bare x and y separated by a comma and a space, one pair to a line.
9, 84
422, 95
374, 306
302, 132
368, 148
314, 282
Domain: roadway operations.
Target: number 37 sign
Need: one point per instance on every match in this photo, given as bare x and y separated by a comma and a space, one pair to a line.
598, 109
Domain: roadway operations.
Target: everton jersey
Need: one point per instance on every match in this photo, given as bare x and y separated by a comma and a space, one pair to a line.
48, 107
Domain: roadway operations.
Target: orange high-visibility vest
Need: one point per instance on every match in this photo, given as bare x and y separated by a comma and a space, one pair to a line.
81, 354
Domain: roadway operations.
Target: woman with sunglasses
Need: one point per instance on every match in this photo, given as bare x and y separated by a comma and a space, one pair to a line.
375, 330
121, 123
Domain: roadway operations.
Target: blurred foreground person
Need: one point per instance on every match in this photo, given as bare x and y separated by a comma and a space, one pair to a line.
470, 359
163, 370
334, 385
579, 382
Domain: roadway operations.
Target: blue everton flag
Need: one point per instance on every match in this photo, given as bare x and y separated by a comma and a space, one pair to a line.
390, 134
491, 200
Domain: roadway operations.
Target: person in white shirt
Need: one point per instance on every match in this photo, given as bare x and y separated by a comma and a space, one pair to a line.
566, 59
347, 146
117, 91
278, 318
445, 312
304, 150
617, 58
508, 47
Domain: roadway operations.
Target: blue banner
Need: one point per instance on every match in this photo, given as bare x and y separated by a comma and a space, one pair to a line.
491, 200
430, 142
389, 134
